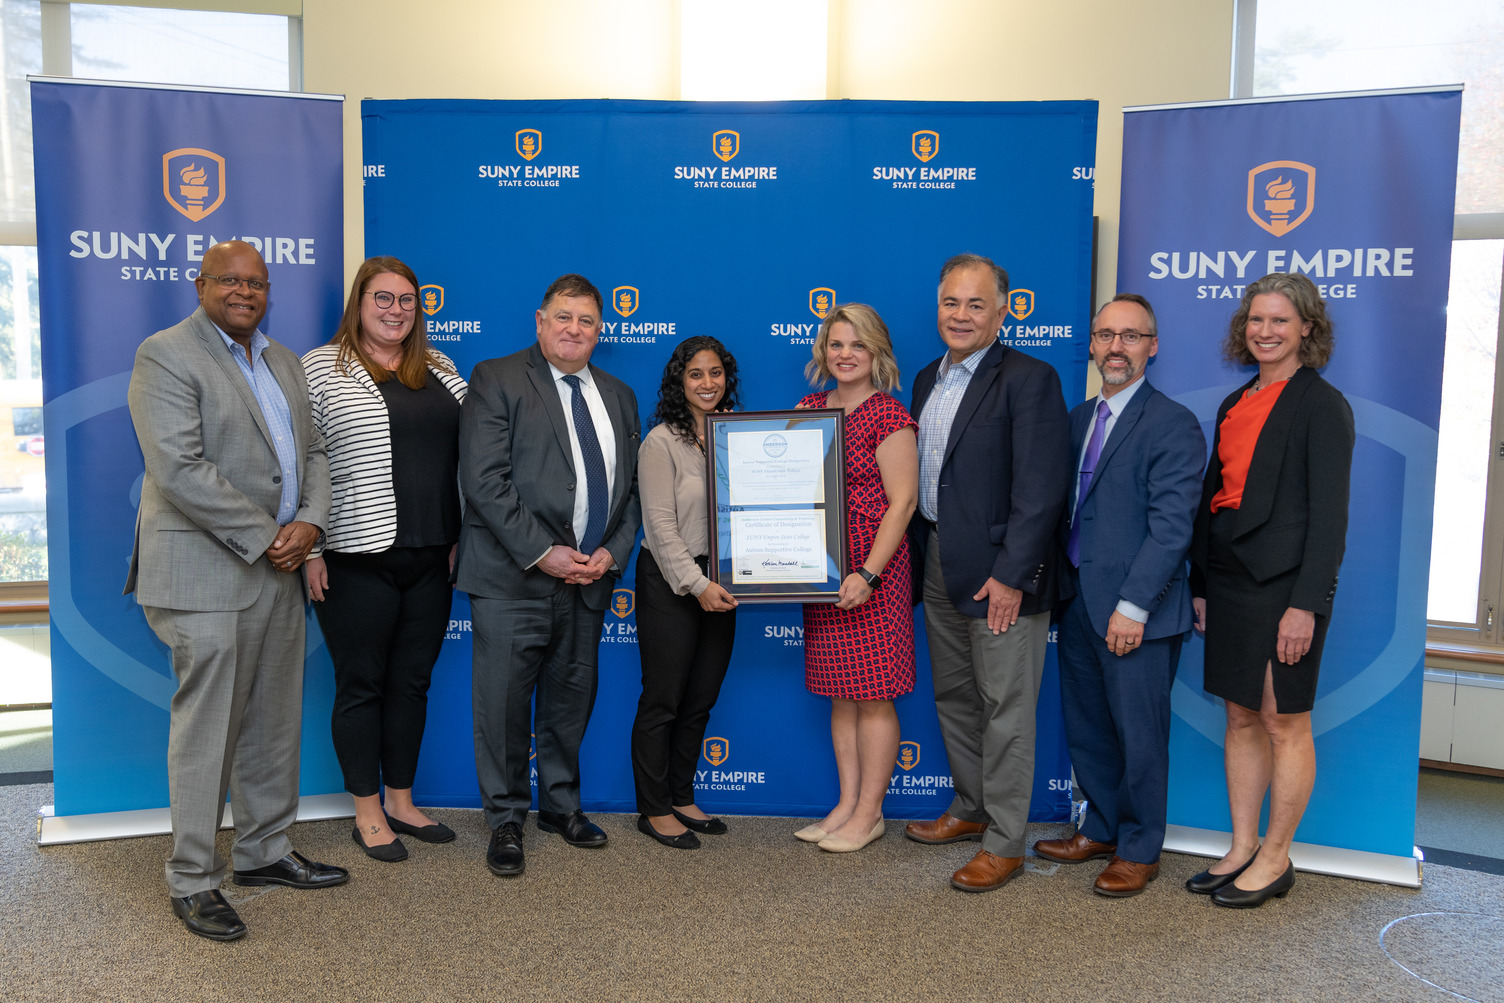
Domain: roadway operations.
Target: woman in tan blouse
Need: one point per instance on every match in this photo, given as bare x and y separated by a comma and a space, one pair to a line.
685, 622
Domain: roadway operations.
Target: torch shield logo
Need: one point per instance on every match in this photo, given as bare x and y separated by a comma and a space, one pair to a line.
715, 750
925, 144
193, 181
529, 143
726, 144
432, 299
623, 601
1281, 195
908, 755
625, 300
1021, 303
821, 299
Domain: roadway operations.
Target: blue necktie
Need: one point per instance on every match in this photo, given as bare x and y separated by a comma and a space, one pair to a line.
1088, 467
595, 469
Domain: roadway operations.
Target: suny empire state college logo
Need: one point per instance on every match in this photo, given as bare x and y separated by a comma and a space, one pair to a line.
821, 299
433, 299
715, 750
623, 601
908, 755
1279, 190
193, 181
726, 144
625, 300
925, 143
1021, 303
529, 143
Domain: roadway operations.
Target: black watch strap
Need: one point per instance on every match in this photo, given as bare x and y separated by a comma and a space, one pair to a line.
873, 581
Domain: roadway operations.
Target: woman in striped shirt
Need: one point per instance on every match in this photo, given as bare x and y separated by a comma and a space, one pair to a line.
388, 407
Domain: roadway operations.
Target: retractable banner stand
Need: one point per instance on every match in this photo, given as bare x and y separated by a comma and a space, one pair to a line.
746, 222
133, 184
1356, 192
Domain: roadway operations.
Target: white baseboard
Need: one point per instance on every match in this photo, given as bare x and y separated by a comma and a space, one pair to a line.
54, 829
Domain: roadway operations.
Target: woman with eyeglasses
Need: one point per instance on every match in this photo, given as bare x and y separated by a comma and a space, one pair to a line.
388, 407
1270, 532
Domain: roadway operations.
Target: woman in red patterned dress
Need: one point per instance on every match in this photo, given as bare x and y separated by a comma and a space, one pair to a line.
860, 651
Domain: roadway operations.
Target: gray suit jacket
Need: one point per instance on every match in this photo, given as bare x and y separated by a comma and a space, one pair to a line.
517, 474
213, 484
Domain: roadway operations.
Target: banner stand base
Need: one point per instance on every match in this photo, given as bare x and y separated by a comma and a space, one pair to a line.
1309, 857
53, 829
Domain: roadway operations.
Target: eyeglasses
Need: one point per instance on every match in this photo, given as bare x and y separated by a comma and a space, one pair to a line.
385, 300
235, 281
1130, 338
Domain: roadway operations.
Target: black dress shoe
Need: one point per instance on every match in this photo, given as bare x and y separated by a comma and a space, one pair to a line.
209, 915
709, 826
1206, 882
683, 841
436, 833
504, 855
388, 853
1236, 898
295, 871
576, 829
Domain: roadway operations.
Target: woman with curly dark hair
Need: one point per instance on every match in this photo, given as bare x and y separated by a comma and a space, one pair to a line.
685, 622
1270, 532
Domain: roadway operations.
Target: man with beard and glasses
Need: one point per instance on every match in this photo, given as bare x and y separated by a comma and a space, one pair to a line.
1138, 457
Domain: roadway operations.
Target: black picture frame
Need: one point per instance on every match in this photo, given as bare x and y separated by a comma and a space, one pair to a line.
745, 507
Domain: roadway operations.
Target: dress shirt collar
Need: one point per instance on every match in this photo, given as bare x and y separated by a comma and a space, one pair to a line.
259, 342
969, 363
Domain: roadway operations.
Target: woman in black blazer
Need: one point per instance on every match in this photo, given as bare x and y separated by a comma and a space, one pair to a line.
1269, 536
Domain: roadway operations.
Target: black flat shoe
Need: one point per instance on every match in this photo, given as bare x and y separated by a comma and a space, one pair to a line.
436, 833
708, 826
683, 841
209, 915
1206, 882
388, 853
1236, 898
576, 829
294, 871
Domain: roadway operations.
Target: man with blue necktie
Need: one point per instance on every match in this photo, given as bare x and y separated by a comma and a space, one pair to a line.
548, 468
1138, 458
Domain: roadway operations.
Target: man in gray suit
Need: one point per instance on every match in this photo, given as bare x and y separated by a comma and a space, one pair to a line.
548, 467
235, 494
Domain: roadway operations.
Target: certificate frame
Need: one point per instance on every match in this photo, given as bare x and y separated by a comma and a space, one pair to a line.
776, 509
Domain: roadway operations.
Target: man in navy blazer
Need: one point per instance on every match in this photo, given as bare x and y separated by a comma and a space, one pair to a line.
993, 479
1138, 457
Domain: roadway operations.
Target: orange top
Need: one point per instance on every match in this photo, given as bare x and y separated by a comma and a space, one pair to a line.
1239, 434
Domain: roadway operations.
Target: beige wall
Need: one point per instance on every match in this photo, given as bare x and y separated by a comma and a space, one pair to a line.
1148, 52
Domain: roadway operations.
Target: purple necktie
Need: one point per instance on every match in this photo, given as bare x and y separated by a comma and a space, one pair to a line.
1088, 467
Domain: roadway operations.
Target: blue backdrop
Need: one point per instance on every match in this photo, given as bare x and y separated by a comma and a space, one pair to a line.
1357, 193
133, 184
742, 221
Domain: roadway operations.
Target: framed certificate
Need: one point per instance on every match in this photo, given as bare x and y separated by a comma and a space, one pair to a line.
776, 482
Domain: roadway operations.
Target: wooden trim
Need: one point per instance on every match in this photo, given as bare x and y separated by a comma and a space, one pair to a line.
1461, 653
1483, 771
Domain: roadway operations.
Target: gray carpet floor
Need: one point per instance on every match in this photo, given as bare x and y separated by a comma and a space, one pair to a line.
754, 915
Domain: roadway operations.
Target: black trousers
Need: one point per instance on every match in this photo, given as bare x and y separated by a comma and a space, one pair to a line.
684, 652
383, 617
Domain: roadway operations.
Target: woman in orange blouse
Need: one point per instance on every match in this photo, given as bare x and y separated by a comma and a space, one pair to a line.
1269, 537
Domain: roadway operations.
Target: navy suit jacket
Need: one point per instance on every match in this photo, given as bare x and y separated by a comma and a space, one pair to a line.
1004, 480
1138, 512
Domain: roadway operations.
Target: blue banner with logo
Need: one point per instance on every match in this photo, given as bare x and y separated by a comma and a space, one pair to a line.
133, 185
746, 222
1356, 192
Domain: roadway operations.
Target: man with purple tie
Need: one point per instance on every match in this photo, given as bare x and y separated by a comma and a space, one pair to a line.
1127, 528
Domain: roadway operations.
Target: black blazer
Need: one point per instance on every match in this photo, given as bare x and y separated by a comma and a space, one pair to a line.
1004, 481
1294, 509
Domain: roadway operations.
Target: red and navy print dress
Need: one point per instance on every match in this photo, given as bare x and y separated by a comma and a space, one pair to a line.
865, 653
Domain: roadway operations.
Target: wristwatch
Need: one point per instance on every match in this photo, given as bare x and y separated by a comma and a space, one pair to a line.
873, 581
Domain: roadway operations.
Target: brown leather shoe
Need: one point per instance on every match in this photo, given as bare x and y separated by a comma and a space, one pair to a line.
945, 829
987, 871
1074, 850
1122, 878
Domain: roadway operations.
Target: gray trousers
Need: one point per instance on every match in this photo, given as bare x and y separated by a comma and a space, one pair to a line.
986, 689
236, 728
524, 648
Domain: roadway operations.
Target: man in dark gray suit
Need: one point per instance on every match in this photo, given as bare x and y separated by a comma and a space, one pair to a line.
548, 467
236, 492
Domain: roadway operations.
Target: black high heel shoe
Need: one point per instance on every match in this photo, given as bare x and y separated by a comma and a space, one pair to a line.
708, 826
388, 853
1206, 882
1236, 898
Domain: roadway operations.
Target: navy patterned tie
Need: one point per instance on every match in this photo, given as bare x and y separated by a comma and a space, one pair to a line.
595, 469
1088, 468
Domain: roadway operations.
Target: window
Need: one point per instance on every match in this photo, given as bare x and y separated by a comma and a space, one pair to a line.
1314, 46
256, 49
